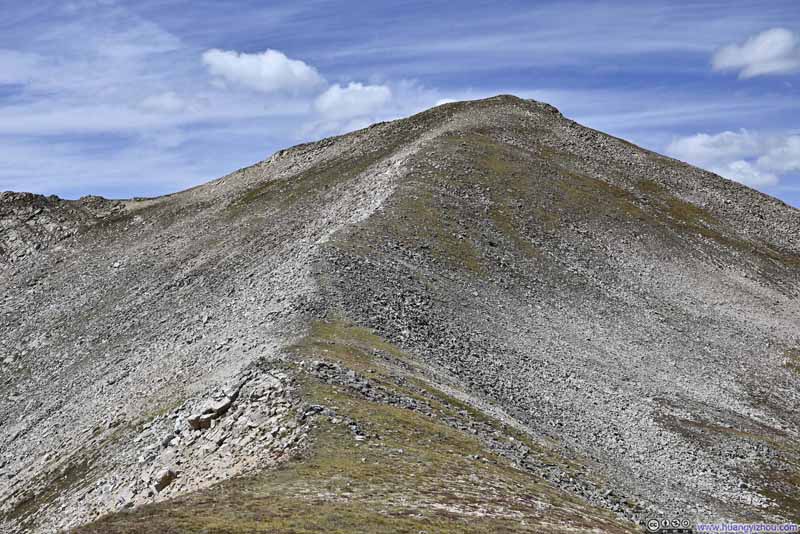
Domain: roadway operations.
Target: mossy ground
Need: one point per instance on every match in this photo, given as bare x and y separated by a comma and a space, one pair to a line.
469, 193
313, 181
778, 482
781, 485
55, 483
414, 474
793, 360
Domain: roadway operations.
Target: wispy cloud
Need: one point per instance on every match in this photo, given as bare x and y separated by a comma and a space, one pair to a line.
774, 51
18, 67
168, 102
567, 35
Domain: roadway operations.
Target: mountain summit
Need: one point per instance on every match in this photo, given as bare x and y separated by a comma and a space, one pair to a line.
482, 318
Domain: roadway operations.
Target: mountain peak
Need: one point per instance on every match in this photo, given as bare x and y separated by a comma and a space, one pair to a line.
485, 309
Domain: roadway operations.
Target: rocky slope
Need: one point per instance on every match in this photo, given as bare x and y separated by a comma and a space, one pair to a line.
484, 317
29, 223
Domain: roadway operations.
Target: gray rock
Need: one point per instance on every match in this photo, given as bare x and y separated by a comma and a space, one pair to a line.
164, 478
221, 406
200, 421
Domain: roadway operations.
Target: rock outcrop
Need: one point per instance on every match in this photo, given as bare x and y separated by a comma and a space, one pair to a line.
30, 223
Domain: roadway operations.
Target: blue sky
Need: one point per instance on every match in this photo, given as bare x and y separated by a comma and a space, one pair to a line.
147, 97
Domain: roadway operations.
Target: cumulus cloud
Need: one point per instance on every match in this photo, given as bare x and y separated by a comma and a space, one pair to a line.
747, 173
354, 100
269, 72
342, 109
775, 51
753, 159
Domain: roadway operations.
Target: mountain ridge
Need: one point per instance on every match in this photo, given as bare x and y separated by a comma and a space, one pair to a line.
441, 114
563, 280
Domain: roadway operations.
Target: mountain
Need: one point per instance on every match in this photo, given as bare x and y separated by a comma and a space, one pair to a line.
482, 318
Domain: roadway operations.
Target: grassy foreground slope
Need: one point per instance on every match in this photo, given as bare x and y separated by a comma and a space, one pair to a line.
406, 469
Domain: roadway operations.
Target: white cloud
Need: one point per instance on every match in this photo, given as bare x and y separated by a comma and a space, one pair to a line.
269, 72
747, 173
784, 157
725, 146
753, 159
355, 100
775, 51
343, 109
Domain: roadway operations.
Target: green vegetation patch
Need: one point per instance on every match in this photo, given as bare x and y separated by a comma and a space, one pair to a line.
780, 485
314, 181
777, 480
412, 474
426, 226
792, 360
683, 214
686, 216
56, 483
466, 194
364, 351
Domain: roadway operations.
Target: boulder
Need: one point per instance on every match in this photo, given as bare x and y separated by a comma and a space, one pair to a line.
200, 421
221, 406
164, 478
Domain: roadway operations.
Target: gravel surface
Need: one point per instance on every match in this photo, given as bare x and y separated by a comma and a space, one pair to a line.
638, 313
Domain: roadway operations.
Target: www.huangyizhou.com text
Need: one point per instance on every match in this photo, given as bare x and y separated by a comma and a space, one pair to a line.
749, 528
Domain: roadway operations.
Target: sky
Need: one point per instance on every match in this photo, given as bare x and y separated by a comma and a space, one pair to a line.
147, 97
